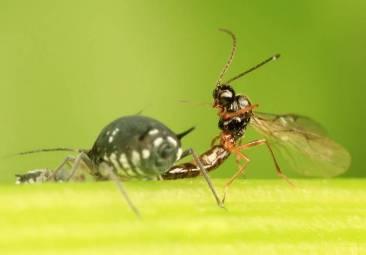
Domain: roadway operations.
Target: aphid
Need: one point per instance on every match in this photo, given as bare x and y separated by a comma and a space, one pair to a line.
129, 147
301, 140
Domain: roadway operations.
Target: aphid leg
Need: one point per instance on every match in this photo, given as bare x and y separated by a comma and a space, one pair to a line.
55, 174
112, 176
185, 154
278, 169
82, 157
239, 156
205, 175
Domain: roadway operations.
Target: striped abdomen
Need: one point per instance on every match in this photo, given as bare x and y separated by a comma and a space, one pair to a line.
211, 159
135, 147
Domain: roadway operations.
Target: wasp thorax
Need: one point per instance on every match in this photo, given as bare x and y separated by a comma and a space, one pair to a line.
223, 95
237, 123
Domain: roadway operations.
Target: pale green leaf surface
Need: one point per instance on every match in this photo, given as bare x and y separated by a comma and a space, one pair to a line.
180, 217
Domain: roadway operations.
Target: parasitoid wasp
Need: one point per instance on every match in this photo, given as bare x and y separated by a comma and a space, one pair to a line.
300, 140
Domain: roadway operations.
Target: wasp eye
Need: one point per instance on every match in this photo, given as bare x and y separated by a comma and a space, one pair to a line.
243, 101
226, 94
226, 97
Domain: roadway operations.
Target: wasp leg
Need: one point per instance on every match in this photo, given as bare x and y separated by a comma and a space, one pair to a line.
214, 140
196, 158
264, 141
239, 156
229, 115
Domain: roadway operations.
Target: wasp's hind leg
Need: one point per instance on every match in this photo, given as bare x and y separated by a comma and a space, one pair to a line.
198, 161
277, 166
239, 157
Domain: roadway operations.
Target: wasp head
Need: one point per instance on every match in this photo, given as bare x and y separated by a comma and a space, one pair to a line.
234, 110
224, 96
226, 99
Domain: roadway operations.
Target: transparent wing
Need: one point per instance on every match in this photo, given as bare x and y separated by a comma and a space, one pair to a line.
303, 143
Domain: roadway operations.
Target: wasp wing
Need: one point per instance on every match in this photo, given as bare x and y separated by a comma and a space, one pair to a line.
304, 143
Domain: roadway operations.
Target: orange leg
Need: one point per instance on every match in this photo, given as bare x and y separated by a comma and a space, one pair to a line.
239, 156
264, 141
214, 140
228, 115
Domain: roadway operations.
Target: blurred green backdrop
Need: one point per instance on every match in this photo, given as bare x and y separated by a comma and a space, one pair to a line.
67, 68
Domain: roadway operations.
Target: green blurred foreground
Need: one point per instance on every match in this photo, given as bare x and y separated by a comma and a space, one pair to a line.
180, 217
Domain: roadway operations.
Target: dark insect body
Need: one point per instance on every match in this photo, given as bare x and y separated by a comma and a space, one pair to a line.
136, 147
298, 139
129, 147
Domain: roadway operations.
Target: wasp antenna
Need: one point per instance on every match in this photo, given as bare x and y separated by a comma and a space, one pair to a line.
47, 150
183, 134
231, 57
272, 58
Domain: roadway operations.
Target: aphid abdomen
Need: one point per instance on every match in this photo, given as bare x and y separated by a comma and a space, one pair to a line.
135, 147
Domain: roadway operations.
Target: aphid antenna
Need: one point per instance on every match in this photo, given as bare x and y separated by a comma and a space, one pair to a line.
48, 150
270, 59
231, 57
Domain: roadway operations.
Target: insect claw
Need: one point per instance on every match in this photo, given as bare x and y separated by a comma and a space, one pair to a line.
224, 195
222, 206
290, 183
223, 201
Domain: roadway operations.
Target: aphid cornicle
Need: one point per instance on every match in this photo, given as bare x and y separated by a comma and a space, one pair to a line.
129, 147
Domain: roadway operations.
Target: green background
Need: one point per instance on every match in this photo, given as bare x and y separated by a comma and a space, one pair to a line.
67, 68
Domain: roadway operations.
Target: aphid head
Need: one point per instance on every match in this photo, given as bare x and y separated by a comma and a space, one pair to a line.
224, 96
165, 154
166, 148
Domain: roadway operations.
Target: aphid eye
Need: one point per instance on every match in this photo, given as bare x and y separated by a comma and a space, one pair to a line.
166, 151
